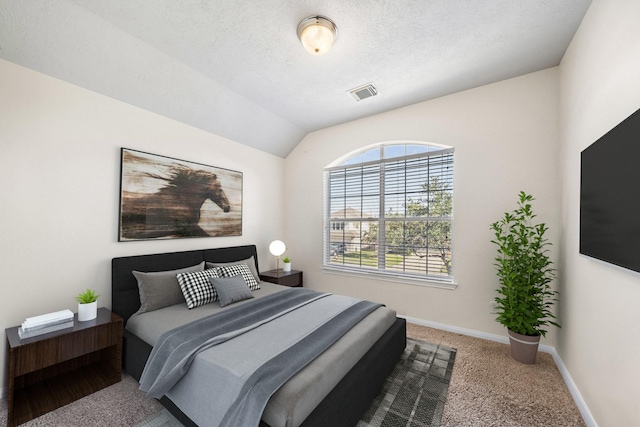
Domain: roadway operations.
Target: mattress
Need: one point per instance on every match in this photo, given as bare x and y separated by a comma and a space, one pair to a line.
294, 401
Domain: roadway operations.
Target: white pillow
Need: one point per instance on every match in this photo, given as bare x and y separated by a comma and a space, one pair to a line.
251, 262
239, 269
196, 287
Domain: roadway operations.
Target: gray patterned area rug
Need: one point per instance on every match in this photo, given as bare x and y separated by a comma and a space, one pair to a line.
415, 392
412, 396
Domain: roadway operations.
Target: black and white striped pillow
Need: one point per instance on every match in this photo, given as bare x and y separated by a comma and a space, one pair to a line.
242, 270
196, 288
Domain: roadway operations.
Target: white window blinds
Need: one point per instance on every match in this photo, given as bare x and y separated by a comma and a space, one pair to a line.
392, 215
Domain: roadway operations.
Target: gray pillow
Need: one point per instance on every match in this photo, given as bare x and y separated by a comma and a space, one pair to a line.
230, 289
251, 262
161, 288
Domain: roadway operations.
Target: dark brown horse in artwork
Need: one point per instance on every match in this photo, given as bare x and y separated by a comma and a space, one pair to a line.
174, 210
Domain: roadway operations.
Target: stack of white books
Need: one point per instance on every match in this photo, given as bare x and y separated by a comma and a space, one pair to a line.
45, 323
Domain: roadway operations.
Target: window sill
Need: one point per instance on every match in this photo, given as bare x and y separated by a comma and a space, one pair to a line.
390, 277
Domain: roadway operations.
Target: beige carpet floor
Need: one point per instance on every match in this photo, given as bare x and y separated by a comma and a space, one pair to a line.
488, 388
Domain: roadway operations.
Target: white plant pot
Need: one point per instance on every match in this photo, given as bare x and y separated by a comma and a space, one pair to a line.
87, 311
286, 266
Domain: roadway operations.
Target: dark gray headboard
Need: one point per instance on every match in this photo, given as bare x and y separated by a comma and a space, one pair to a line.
125, 298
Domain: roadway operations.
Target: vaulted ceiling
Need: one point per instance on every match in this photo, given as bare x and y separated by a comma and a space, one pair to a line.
237, 69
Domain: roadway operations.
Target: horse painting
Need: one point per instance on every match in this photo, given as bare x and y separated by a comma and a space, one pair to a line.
174, 209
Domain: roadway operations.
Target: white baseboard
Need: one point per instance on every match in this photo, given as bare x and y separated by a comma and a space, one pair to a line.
571, 385
573, 389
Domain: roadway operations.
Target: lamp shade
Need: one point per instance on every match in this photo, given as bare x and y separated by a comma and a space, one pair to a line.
317, 34
277, 248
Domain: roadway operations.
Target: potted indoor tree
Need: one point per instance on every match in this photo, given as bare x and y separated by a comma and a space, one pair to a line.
525, 273
87, 305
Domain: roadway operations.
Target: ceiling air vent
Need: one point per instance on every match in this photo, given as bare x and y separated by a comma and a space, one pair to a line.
364, 92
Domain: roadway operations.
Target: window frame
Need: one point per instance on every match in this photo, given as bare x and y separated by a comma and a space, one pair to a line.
381, 271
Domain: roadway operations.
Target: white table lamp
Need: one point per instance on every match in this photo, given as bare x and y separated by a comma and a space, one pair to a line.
277, 248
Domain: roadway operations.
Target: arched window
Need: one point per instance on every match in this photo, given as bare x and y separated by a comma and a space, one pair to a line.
388, 211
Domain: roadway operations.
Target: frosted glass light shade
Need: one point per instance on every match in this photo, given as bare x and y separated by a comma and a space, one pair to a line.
317, 34
277, 248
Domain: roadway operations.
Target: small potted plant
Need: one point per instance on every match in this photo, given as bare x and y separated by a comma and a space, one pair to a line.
525, 274
286, 264
87, 305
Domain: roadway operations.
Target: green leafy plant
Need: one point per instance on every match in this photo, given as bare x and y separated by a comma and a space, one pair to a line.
524, 270
87, 297
286, 260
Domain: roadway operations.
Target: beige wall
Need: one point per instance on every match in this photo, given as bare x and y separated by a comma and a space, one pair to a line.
60, 168
505, 137
600, 87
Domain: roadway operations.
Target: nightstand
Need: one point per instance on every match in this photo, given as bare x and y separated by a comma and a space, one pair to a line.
55, 369
291, 278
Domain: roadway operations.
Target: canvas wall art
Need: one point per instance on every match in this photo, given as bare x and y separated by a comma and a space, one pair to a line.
167, 198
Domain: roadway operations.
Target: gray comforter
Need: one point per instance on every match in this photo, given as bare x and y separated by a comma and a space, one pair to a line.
250, 380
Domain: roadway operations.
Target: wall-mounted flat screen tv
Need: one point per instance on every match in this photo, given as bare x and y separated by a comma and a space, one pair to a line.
610, 196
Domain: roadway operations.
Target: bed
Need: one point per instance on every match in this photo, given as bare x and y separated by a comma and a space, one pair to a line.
346, 397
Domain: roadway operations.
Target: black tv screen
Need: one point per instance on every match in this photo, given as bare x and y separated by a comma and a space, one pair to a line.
610, 196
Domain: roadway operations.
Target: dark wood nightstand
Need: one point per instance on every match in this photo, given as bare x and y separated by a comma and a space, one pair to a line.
291, 278
54, 369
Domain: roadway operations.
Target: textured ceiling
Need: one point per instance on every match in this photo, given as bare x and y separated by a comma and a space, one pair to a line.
237, 69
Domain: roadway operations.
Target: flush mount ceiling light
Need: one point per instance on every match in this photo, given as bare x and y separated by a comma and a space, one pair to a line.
317, 34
